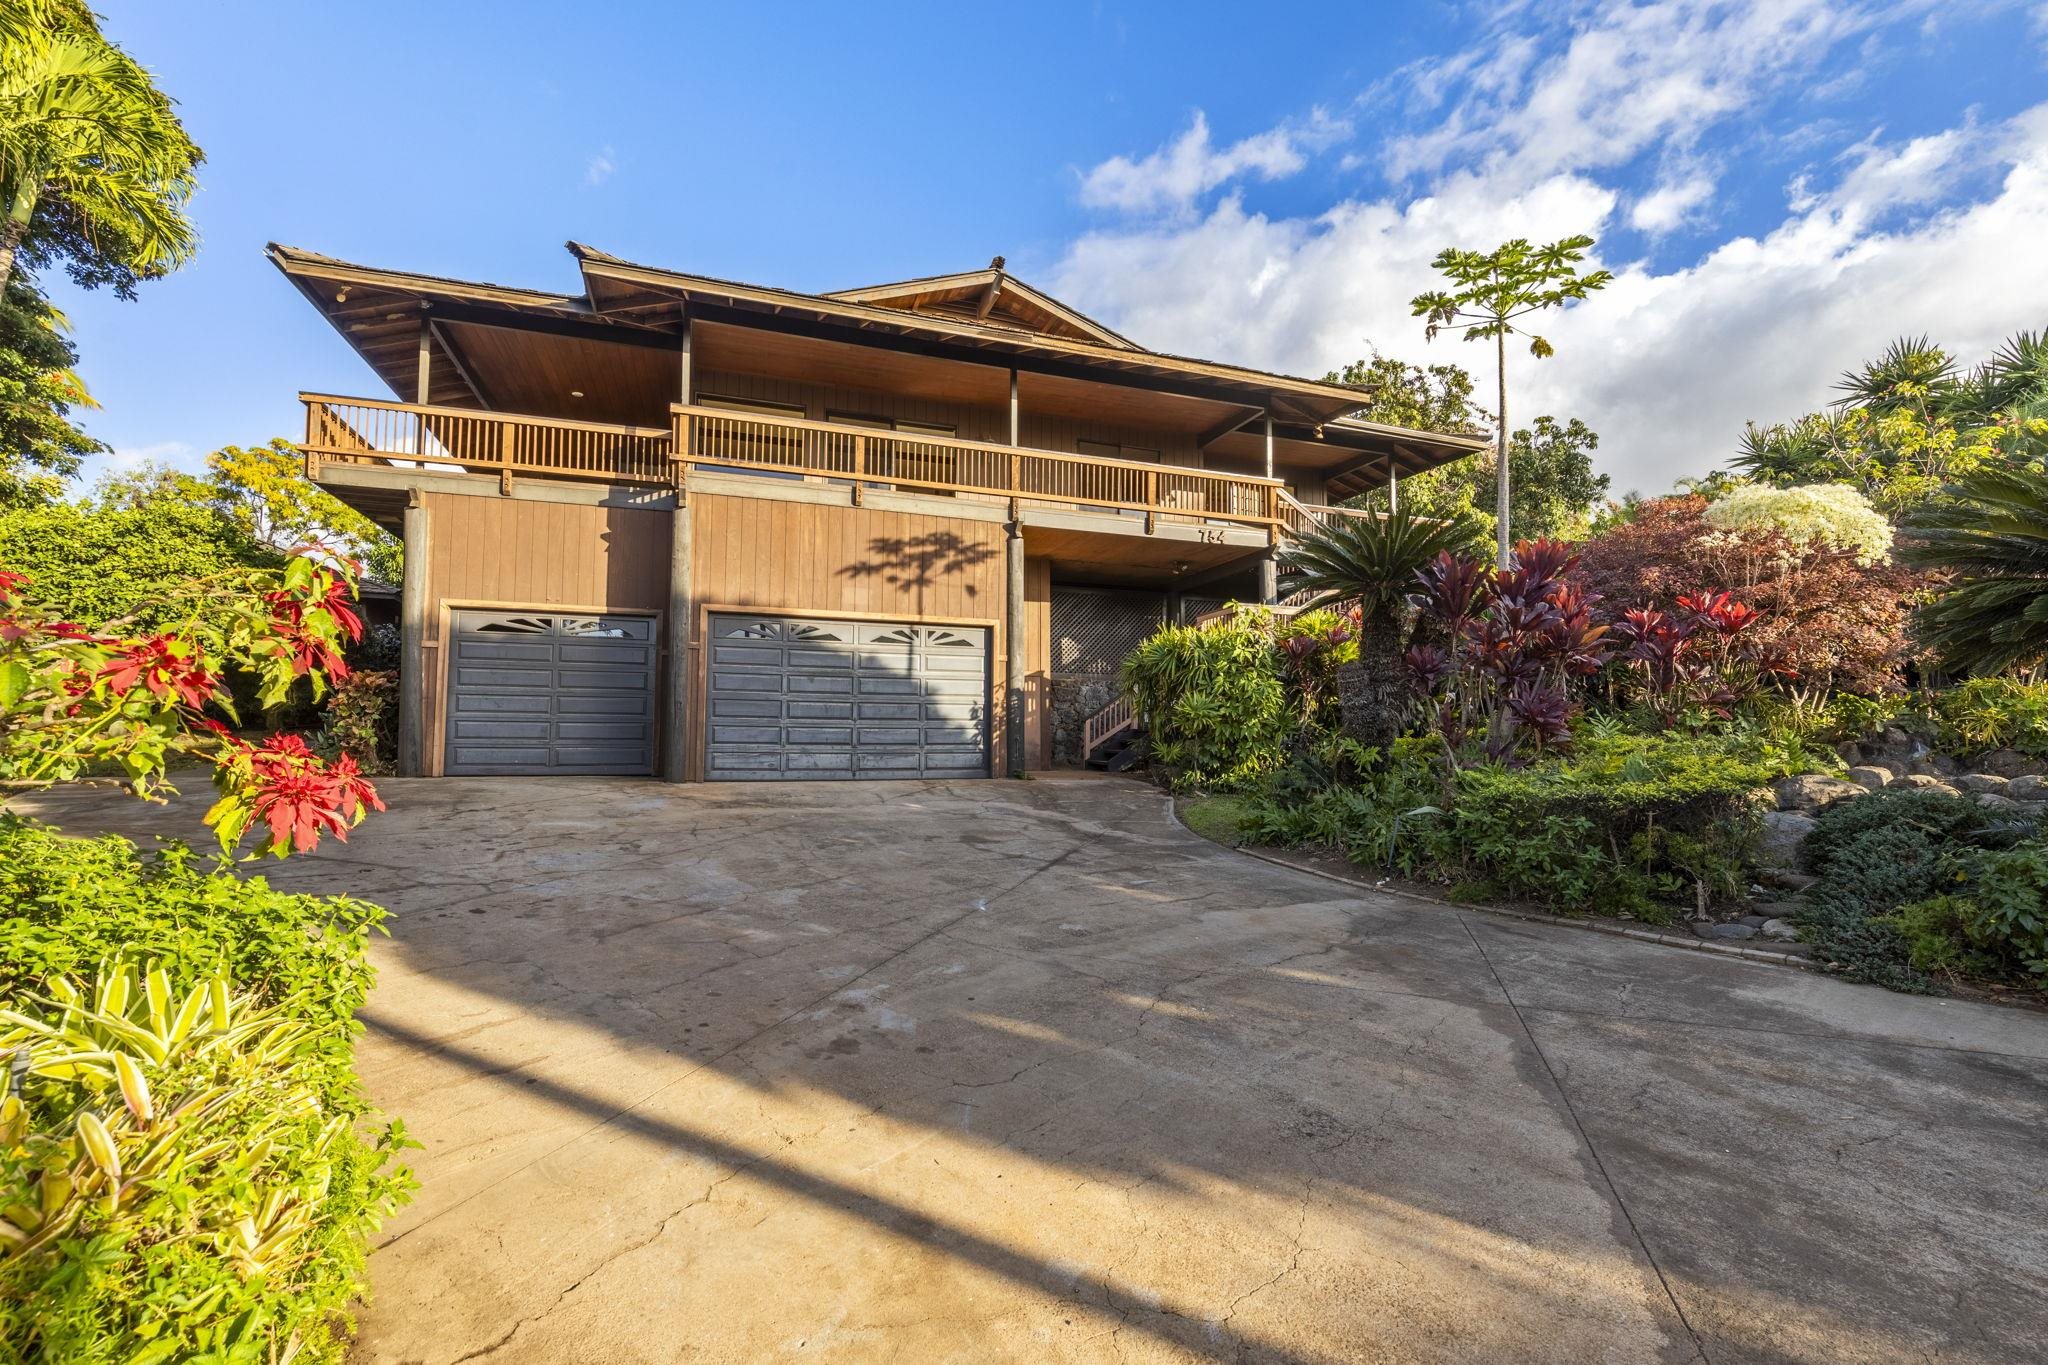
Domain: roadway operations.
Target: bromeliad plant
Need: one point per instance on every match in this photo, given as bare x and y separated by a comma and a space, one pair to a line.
1505, 647
75, 702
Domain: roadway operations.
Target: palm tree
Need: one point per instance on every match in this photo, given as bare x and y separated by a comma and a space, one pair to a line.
86, 137
1372, 561
1990, 531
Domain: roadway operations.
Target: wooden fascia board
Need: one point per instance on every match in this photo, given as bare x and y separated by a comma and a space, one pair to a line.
302, 272
1338, 400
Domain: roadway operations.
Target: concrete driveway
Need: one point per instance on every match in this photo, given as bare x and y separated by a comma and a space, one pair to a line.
1023, 1071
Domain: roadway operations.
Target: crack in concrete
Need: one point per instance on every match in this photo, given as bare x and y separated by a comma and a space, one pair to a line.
1592, 1149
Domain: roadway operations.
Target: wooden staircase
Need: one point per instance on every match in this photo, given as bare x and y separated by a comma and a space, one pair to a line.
1111, 739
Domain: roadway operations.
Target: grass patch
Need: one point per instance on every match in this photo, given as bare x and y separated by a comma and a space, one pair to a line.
1217, 818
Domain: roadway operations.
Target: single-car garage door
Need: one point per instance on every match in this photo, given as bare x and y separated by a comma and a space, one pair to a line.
824, 699
547, 692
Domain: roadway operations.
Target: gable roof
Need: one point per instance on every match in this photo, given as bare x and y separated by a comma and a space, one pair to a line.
994, 296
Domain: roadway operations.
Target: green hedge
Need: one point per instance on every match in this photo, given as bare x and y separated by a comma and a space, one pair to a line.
284, 1140
1992, 713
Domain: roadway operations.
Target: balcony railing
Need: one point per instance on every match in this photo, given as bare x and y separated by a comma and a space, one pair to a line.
714, 438
357, 431
365, 431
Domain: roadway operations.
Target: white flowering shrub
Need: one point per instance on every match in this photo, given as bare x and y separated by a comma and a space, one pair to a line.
1830, 514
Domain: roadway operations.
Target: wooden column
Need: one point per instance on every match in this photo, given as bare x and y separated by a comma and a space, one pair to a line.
1015, 665
426, 372
684, 362
675, 727
1393, 485
1013, 407
412, 621
1269, 572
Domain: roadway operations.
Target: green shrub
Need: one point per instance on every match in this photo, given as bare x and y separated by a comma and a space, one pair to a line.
1992, 713
1917, 882
188, 1169
362, 719
1626, 821
2007, 890
1381, 811
1214, 702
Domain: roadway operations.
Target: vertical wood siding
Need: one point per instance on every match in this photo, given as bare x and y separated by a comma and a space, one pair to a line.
515, 553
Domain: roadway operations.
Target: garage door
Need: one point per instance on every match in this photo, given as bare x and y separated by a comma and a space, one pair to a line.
825, 699
532, 692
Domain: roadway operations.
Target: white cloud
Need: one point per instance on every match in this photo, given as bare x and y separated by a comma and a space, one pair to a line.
1191, 165
599, 167
1671, 203
1879, 237
176, 454
1628, 77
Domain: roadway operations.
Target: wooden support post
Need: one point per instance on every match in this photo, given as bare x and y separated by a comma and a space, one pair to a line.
1393, 487
1014, 646
1013, 407
1151, 500
860, 468
675, 726
507, 438
312, 439
412, 624
684, 362
426, 370
1269, 573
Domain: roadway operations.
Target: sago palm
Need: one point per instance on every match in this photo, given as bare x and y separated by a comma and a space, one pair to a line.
86, 136
1991, 533
1372, 562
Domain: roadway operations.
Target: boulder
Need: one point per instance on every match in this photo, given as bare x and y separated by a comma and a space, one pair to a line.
1871, 776
2010, 763
1934, 765
1849, 751
1785, 878
1780, 931
2004, 805
1922, 782
1783, 833
1735, 930
2028, 788
1814, 791
1980, 782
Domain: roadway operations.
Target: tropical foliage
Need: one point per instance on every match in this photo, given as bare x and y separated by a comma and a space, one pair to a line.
1369, 564
188, 1170
1911, 421
1831, 516
95, 169
1492, 296
1989, 534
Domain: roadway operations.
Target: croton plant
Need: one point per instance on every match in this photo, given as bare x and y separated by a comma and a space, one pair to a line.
79, 702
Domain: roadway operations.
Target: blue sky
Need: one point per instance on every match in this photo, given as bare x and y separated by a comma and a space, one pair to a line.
1781, 187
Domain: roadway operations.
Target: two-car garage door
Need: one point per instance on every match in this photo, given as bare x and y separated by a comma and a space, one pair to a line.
785, 698
792, 698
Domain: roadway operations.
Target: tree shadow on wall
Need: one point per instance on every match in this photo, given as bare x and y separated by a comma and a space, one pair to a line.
915, 563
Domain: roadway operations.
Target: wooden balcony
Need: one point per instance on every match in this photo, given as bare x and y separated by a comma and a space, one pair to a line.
362, 431
355, 431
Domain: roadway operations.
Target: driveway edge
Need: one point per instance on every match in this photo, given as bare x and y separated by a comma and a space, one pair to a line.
1692, 945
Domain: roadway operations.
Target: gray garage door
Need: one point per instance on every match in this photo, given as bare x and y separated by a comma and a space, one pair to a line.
823, 699
544, 692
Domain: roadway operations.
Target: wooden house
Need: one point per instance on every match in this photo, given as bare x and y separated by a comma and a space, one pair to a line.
675, 525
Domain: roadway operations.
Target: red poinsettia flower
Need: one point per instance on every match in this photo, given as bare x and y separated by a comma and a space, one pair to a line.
161, 670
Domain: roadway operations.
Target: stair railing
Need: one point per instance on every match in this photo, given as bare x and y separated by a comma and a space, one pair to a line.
1106, 724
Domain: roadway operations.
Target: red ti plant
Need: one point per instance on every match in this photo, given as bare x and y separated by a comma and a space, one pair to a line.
1701, 660
75, 702
1508, 644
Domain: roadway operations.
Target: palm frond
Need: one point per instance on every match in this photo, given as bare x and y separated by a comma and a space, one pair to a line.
1373, 560
1990, 531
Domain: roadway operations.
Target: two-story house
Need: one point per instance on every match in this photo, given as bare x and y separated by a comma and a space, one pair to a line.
677, 525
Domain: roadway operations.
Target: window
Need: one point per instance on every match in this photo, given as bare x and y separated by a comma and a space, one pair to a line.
907, 459
750, 445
